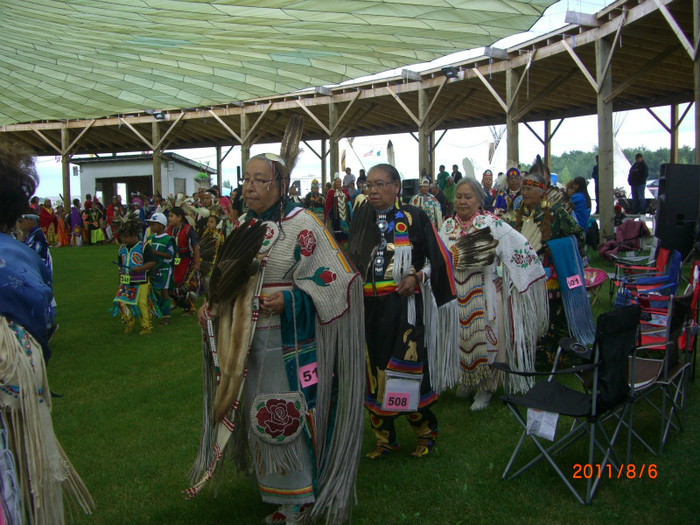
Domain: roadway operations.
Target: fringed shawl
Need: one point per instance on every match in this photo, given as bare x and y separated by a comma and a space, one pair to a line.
572, 283
44, 471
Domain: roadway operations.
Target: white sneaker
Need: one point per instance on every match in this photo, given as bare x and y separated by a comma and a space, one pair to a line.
481, 400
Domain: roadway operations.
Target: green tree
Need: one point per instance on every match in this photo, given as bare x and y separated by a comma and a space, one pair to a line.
564, 176
580, 163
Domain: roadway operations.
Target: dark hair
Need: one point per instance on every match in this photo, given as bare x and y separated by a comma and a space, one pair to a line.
76, 202
582, 187
389, 170
176, 210
18, 180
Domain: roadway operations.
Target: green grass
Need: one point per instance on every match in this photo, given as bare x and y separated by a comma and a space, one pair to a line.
130, 414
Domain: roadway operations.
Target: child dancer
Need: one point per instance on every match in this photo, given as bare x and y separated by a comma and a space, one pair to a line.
162, 275
186, 262
135, 260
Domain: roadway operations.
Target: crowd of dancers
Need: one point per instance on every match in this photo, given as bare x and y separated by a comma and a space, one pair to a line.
317, 306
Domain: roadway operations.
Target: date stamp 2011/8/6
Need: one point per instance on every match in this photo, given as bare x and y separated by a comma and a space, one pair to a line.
628, 471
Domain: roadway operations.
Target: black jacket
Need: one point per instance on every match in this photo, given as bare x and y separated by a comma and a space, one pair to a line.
638, 174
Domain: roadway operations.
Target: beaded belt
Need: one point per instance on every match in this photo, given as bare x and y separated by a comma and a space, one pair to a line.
381, 288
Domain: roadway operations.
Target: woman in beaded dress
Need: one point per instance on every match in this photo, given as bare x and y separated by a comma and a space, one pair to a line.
500, 317
410, 313
285, 359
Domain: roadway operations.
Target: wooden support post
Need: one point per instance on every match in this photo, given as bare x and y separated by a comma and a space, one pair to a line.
548, 143
245, 144
696, 77
334, 166
65, 167
425, 158
219, 174
674, 134
513, 147
324, 154
605, 139
157, 157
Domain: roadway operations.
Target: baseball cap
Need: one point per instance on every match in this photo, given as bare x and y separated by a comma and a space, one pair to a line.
159, 218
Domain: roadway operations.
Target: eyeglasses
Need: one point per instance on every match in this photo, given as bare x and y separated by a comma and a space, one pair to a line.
379, 185
256, 183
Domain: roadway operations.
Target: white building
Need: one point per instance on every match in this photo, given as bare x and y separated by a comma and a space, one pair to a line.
128, 174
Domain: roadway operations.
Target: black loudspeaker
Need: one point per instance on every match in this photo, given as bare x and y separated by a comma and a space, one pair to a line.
409, 187
677, 211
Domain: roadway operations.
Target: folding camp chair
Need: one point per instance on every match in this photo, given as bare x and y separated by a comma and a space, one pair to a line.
616, 337
667, 374
626, 267
668, 281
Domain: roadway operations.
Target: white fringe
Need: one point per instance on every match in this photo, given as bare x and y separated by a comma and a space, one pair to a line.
340, 348
44, 472
403, 260
441, 340
526, 316
281, 458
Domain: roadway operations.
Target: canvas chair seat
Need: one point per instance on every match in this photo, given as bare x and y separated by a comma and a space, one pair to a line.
594, 410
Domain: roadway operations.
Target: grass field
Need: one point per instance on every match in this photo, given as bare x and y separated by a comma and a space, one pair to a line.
130, 415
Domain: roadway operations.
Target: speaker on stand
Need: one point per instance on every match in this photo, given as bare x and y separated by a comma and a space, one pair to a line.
409, 188
677, 209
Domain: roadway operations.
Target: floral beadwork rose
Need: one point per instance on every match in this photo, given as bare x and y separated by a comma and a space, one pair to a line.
307, 241
279, 418
323, 276
327, 277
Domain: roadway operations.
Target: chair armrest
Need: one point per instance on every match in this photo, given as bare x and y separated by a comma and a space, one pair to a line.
505, 367
574, 348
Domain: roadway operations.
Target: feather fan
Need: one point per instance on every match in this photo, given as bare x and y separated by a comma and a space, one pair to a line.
364, 237
557, 195
475, 250
236, 262
208, 244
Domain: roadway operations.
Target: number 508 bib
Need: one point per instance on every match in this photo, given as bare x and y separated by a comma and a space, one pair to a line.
402, 392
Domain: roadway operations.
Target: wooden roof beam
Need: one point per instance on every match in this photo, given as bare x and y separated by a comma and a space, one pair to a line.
314, 118
582, 67
582, 19
404, 106
546, 91
677, 29
226, 126
455, 101
493, 92
45, 138
643, 70
165, 135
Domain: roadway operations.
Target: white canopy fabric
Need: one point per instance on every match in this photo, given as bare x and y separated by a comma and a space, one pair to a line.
91, 58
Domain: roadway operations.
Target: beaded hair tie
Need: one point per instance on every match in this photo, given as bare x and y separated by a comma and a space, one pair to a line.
536, 184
